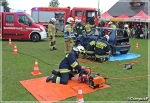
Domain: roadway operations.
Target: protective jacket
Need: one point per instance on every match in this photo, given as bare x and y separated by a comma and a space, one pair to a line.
80, 29
68, 32
101, 47
69, 63
90, 48
51, 29
88, 27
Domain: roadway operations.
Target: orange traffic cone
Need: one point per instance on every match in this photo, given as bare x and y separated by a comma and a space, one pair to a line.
80, 96
15, 49
137, 45
9, 43
36, 69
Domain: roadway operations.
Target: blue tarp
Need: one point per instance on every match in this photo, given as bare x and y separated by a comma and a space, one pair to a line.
127, 56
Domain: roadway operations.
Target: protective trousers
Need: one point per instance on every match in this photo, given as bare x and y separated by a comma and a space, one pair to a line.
101, 58
68, 45
64, 77
52, 43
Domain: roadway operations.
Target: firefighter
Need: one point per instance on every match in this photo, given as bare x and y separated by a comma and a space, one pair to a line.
88, 27
51, 34
74, 25
90, 50
112, 25
68, 67
79, 28
69, 35
126, 27
102, 49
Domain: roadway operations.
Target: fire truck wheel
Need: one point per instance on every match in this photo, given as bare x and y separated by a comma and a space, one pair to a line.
35, 37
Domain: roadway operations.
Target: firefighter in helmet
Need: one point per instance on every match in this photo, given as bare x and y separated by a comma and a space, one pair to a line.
79, 28
102, 49
51, 34
69, 35
74, 25
68, 67
88, 27
112, 25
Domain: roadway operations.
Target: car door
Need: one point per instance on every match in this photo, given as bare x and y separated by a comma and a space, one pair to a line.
9, 30
22, 25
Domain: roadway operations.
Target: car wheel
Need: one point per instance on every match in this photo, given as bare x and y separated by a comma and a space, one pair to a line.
124, 52
35, 37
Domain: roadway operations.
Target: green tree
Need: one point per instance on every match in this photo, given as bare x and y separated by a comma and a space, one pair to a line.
5, 4
54, 3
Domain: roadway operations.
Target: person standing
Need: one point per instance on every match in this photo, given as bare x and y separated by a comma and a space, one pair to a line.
69, 35
80, 29
51, 34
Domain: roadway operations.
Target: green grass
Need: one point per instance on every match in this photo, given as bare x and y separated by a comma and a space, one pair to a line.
18, 67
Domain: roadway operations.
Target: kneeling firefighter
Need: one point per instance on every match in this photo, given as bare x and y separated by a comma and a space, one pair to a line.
90, 51
102, 49
68, 67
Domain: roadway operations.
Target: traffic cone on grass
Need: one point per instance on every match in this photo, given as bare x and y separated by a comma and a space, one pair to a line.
137, 46
80, 96
15, 49
36, 69
9, 42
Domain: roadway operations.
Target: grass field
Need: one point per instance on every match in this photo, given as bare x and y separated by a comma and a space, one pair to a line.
18, 67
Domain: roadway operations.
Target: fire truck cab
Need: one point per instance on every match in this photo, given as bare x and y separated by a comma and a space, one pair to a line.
42, 15
19, 25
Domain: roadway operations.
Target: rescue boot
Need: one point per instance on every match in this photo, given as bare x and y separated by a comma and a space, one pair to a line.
54, 43
50, 78
54, 48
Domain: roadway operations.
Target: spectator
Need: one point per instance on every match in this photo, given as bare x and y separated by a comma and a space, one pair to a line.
133, 30
138, 32
145, 32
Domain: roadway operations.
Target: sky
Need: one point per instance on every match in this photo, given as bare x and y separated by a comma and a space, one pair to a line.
17, 5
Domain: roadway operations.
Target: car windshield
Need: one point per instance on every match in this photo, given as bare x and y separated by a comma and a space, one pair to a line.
94, 32
31, 18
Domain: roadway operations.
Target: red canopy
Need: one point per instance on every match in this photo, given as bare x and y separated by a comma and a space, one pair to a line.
123, 16
141, 15
106, 15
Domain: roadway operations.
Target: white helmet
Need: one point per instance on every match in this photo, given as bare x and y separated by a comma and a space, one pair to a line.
53, 20
107, 37
70, 20
110, 23
126, 26
76, 20
79, 48
79, 20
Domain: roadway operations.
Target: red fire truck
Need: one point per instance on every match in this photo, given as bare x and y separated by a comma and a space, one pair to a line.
19, 25
42, 15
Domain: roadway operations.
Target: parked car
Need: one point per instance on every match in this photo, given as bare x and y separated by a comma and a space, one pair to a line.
119, 39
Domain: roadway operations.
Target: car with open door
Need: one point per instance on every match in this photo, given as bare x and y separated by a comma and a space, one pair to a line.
118, 39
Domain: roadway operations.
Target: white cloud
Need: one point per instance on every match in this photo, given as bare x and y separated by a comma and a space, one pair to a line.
28, 4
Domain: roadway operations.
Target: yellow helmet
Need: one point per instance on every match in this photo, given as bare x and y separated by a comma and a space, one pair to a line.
70, 20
